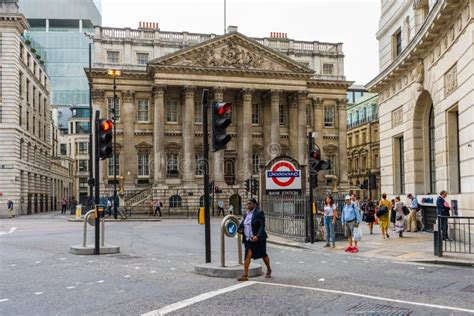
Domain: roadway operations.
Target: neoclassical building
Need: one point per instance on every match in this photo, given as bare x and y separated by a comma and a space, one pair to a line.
30, 176
280, 90
363, 147
426, 97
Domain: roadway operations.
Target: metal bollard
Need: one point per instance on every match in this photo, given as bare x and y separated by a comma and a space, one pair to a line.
225, 231
84, 241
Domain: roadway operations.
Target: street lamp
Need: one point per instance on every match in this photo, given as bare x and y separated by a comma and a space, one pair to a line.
115, 74
91, 158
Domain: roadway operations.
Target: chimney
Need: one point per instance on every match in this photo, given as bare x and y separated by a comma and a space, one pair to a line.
147, 25
231, 29
278, 35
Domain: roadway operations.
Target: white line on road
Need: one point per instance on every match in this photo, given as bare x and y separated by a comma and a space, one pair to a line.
8, 232
3, 300
70, 287
369, 297
37, 262
101, 281
38, 293
182, 304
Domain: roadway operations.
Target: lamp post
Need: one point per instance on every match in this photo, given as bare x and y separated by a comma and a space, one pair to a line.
91, 158
115, 74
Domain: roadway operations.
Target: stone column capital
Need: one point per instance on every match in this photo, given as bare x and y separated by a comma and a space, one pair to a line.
341, 104
317, 102
189, 92
98, 95
302, 94
158, 90
247, 94
129, 96
275, 95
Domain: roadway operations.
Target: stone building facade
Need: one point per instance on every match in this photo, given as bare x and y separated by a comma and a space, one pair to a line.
280, 90
363, 148
25, 120
426, 97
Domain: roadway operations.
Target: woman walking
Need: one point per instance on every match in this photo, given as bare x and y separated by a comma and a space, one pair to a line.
254, 239
330, 216
393, 215
382, 214
400, 217
369, 211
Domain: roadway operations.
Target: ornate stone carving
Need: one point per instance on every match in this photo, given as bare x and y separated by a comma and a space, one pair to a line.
397, 116
98, 95
129, 96
247, 94
218, 92
189, 92
419, 75
143, 147
158, 90
275, 95
450, 80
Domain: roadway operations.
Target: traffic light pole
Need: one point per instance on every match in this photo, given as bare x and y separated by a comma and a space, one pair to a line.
205, 136
114, 156
91, 156
97, 188
311, 187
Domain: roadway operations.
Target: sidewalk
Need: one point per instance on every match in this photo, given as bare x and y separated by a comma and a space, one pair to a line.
413, 247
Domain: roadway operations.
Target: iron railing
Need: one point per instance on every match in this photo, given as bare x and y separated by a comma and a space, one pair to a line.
455, 235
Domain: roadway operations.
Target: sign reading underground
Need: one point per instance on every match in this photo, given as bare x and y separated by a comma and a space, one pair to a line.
283, 176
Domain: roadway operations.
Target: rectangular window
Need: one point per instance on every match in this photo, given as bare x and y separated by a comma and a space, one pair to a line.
83, 183
255, 114
328, 69
21, 84
34, 125
399, 164
255, 164
63, 149
172, 165
27, 120
332, 160
82, 165
110, 108
34, 98
82, 128
200, 165
83, 148
171, 111
142, 58
113, 57
20, 110
143, 165
110, 165
22, 51
282, 115
454, 162
198, 112
143, 109
28, 91
397, 43
329, 116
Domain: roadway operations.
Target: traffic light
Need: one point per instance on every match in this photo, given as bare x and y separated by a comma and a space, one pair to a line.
217, 190
220, 122
255, 186
315, 163
247, 185
105, 138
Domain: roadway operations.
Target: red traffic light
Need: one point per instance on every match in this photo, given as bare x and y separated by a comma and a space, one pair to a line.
106, 125
314, 155
222, 108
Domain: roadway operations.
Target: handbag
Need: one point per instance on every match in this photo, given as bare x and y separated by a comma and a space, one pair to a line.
406, 211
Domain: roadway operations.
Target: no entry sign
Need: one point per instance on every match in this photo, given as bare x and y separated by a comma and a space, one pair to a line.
283, 175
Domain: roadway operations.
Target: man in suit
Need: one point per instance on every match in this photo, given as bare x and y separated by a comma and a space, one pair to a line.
254, 239
443, 208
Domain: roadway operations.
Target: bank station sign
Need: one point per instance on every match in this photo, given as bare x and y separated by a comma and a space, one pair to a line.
283, 175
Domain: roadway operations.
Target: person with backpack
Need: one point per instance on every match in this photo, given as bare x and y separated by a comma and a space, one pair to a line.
330, 216
369, 215
382, 214
63, 205
350, 219
220, 208
393, 215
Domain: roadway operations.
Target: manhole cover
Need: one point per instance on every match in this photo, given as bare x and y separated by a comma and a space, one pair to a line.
469, 289
124, 257
378, 309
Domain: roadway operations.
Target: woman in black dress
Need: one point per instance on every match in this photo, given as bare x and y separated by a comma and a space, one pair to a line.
370, 215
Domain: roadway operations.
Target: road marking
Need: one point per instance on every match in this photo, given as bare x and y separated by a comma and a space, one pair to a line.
421, 268
3, 300
38, 293
185, 303
8, 232
323, 262
371, 297
172, 269
70, 287
321, 280
301, 262
13, 265
37, 262
153, 272
100, 281
126, 276
62, 259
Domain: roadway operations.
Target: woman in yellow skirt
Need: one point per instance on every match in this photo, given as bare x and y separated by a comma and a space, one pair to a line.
384, 219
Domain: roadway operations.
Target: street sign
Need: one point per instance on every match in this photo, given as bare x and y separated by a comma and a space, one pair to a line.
283, 176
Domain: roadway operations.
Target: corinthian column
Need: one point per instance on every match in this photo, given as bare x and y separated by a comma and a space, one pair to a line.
341, 109
219, 155
245, 156
302, 97
275, 126
159, 134
188, 134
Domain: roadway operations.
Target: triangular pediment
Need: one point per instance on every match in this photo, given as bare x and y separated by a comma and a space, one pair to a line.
232, 51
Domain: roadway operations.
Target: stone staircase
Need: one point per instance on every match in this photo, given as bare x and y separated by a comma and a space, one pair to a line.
136, 203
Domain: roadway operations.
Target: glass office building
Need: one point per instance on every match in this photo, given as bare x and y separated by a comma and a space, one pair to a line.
57, 34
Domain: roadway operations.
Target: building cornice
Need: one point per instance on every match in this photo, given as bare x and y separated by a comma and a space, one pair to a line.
417, 49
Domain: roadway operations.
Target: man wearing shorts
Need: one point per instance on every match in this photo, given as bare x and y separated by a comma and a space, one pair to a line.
350, 219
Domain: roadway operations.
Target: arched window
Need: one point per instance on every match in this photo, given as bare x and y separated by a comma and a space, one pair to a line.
175, 201
431, 131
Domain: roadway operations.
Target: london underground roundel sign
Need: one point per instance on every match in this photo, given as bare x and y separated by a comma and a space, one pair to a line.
283, 175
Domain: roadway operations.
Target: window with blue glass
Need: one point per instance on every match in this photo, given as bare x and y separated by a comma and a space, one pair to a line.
82, 128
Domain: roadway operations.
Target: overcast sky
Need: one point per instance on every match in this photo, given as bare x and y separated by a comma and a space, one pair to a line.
352, 22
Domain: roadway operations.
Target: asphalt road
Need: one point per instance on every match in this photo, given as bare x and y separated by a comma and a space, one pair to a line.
154, 273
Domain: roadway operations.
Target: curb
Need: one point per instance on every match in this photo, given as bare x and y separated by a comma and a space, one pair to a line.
81, 220
283, 244
456, 263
